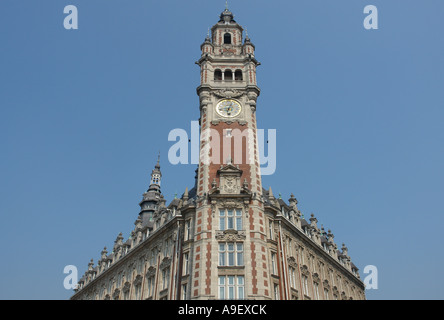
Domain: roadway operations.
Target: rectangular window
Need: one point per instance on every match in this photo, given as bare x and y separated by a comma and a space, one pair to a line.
230, 219
240, 254
305, 285
276, 291
316, 291
184, 292
222, 219
230, 224
289, 247
231, 287
137, 291
222, 253
292, 275
188, 229
240, 287
185, 263
270, 229
149, 285
221, 288
231, 254
165, 276
238, 220
273, 264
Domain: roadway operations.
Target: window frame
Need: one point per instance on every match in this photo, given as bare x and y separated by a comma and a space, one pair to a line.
231, 290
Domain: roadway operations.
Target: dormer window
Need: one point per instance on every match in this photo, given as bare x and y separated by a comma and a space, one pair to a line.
227, 38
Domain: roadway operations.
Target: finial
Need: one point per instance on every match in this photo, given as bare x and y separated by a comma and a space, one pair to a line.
175, 195
293, 201
280, 196
185, 195
270, 193
104, 253
226, 4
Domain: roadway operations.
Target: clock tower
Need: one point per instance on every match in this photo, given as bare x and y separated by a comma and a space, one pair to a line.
227, 237
229, 209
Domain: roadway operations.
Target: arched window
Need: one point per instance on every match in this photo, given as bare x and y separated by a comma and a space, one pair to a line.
238, 75
228, 75
227, 38
218, 75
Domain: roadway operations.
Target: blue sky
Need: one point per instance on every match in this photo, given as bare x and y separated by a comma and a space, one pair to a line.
83, 113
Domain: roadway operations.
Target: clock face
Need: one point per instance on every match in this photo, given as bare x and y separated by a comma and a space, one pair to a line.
228, 108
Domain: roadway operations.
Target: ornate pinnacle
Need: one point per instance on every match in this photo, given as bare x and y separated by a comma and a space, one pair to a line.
104, 253
185, 196
270, 194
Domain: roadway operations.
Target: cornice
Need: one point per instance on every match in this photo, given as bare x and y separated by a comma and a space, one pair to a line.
319, 250
134, 250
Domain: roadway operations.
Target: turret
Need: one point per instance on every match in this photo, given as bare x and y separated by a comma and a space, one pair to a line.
152, 197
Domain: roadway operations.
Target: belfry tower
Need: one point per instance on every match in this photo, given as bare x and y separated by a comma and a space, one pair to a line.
229, 210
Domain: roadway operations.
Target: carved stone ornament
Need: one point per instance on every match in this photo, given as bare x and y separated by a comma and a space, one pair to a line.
230, 235
230, 204
304, 270
231, 184
292, 262
166, 262
138, 280
116, 294
335, 290
151, 272
126, 287
228, 93
316, 278
326, 285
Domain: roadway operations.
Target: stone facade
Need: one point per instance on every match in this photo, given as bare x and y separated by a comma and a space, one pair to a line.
227, 237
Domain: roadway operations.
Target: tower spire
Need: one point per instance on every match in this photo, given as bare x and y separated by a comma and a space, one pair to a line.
158, 161
156, 175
